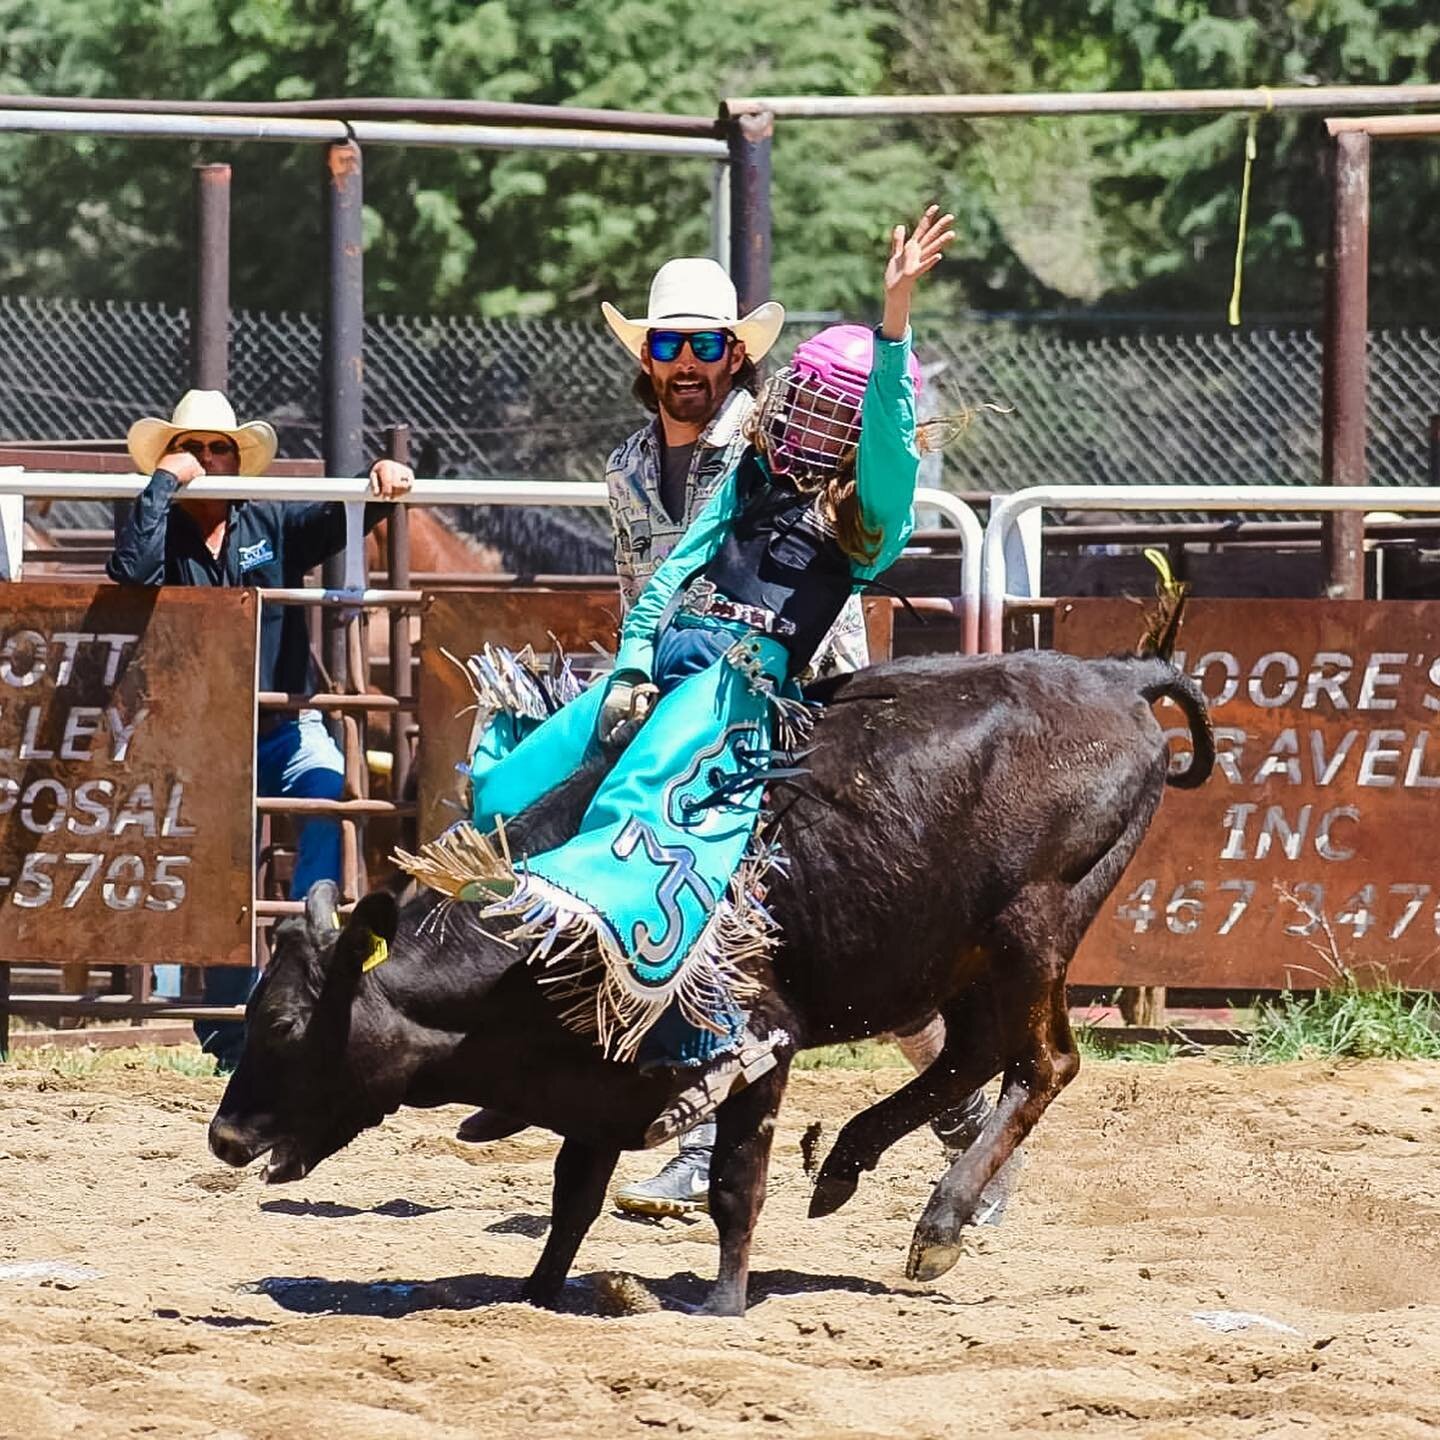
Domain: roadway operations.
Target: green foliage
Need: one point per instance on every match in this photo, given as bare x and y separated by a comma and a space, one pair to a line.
519, 232
1126, 212
1168, 194
1347, 1020
852, 1055
80, 1064
1095, 1044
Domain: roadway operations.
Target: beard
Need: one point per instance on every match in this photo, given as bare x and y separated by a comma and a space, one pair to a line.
691, 398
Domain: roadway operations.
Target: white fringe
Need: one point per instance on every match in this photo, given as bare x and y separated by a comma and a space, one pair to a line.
517, 683
586, 962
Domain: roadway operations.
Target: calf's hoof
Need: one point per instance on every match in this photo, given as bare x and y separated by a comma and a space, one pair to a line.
723, 1304
930, 1257
830, 1193
543, 1295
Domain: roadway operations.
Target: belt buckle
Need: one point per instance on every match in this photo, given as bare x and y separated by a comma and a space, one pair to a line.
700, 597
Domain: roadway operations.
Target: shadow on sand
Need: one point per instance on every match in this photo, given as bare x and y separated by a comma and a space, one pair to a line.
681, 1292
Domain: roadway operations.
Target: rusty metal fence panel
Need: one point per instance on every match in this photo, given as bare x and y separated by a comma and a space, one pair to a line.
127, 753
1313, 846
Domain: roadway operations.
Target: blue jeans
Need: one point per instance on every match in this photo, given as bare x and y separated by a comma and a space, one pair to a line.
297, 758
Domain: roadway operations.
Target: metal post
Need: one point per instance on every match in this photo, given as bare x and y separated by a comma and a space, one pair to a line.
343, 385
210, 312
1435, 450
1347, 327
720, 214
750, 137
397, 537
4, 1011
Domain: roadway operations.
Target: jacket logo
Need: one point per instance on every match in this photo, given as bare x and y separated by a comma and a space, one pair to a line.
253, 555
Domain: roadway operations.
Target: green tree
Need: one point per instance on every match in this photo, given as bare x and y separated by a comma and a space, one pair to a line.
500, 233
1168, 189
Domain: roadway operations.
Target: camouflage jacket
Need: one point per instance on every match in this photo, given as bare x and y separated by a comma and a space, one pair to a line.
645, 534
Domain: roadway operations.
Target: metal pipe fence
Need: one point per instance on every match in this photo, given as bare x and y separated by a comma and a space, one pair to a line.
1011, 572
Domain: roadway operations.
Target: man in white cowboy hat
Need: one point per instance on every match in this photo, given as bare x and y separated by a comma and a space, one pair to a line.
171, 539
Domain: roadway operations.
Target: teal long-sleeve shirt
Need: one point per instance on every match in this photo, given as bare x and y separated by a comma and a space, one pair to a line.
886, 469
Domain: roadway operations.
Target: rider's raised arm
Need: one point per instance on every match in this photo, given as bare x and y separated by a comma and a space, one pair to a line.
888, 464
701, 541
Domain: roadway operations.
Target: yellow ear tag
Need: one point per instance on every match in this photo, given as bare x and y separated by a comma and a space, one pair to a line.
379, 954
335, 921
1161, 562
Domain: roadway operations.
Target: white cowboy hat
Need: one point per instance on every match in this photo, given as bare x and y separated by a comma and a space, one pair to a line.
693, 294
210, 413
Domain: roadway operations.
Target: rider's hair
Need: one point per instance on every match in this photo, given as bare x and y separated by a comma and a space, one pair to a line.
839, 498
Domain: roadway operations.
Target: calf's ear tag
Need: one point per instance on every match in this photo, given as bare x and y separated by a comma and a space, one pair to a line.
379, 954
335, 920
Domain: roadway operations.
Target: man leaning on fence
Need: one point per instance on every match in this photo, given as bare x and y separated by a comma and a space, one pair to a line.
172, 538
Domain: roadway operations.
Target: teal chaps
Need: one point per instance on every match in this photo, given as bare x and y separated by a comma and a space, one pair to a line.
647, 917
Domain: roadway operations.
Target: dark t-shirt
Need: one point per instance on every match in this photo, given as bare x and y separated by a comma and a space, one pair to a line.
674, 478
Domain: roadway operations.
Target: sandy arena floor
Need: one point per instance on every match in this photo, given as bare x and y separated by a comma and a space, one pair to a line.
145, 1290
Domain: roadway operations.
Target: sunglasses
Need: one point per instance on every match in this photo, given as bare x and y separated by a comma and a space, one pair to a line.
199, 448
706, 346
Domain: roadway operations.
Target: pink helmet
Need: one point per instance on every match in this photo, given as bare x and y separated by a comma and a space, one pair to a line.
810, 411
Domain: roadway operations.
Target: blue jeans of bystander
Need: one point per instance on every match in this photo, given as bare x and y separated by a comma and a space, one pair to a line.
297, 759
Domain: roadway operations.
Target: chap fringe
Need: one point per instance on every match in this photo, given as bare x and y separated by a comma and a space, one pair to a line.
583, 957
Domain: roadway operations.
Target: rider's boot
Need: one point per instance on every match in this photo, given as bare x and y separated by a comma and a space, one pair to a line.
487, 1124
683, 1185
957, 1130
710, 1086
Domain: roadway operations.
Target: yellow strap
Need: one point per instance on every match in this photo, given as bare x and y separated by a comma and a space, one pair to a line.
1251, 127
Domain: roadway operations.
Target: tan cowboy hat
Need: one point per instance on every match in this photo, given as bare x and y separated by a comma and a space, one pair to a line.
694, 294
210, 413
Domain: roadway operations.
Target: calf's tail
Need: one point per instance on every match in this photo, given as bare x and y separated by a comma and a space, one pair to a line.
1160, 677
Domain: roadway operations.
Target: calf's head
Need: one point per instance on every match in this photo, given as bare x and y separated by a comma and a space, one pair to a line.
312, 1075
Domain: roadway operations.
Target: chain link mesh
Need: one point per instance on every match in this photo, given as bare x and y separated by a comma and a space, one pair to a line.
548, 399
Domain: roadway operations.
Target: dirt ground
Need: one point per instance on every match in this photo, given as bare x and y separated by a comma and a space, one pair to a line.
145, 1290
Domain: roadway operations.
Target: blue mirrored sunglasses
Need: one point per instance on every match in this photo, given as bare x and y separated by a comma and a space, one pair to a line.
705, 345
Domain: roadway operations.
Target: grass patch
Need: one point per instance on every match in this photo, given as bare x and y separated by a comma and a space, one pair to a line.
852, 1055
82, 1064
1095, 1044
1347, 1021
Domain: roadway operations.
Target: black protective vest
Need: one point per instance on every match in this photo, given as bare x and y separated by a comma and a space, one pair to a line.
777, 556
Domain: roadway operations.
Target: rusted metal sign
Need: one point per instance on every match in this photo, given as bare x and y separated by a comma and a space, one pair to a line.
460, 622
1315, 842
127, 753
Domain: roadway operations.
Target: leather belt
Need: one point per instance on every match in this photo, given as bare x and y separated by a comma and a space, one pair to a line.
702, 598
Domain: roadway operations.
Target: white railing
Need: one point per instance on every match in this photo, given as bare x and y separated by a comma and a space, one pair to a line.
1012, 549
75, 485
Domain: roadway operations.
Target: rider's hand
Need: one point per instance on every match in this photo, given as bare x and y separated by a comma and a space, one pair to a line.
390, 479
912, 256
625, 707
182, 465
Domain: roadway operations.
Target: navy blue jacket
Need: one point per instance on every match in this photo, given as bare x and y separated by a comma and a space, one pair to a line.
268, 544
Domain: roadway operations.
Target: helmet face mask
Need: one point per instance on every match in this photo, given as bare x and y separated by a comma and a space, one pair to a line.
809, 428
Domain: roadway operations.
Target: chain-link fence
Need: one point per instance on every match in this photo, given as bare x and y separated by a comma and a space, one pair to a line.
543, 398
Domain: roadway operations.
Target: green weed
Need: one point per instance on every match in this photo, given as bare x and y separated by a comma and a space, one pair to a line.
1095, 1044
81, 1064
1379, 1022
852, 1055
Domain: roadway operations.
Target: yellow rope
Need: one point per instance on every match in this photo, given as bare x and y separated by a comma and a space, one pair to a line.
1251, 127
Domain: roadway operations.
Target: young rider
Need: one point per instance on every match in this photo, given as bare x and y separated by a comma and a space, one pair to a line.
660, 878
